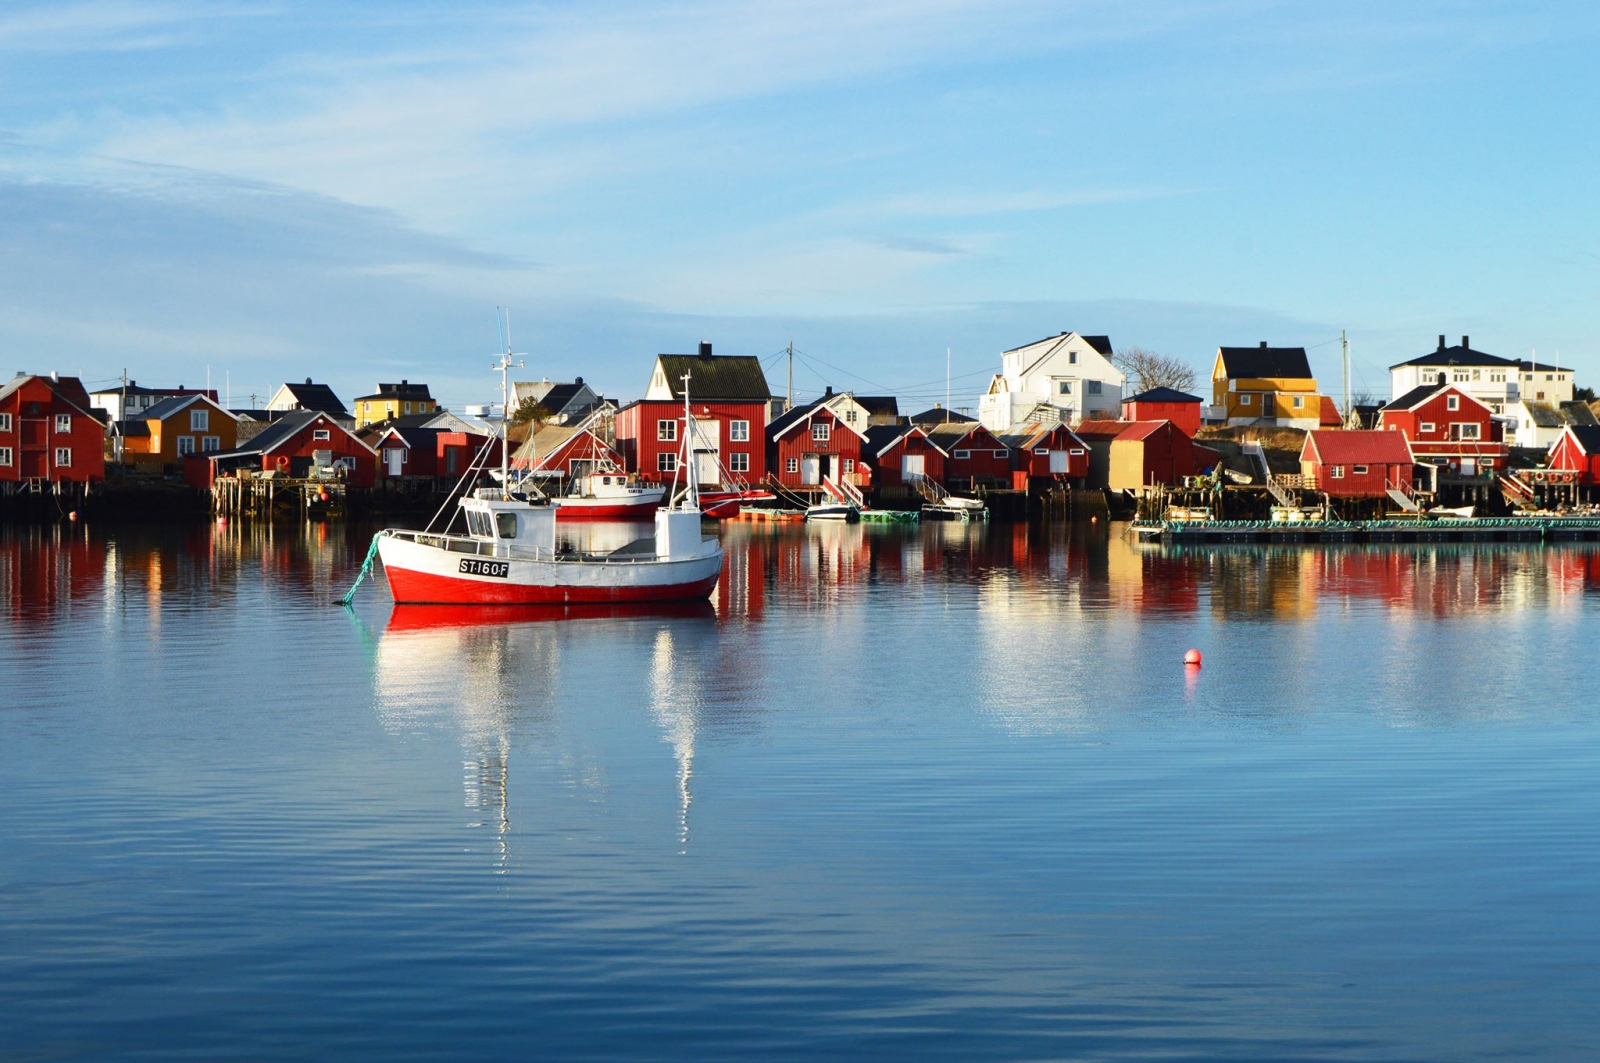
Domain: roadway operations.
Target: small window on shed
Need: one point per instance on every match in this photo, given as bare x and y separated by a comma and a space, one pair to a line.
1337, 472
1452, 402
1425, 426
1359, 470
506, 525
321, 433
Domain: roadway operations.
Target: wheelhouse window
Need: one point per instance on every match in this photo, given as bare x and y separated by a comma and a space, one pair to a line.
506, 525
63, 422
199, 420
738, 463
667, 462
667, 431
739, 431
63, 457
821, 431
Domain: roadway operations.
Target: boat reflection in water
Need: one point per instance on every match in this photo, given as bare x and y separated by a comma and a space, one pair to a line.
498, 675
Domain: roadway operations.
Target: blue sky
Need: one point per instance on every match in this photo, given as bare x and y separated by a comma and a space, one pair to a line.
282, 190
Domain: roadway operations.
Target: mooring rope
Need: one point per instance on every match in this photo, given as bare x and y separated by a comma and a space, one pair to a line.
366, 567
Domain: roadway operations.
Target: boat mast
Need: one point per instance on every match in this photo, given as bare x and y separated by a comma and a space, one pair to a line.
691, 490
505, 365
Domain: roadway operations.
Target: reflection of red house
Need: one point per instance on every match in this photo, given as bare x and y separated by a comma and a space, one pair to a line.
47, 432
811, 443
1356, 464
976, 456
1578, 450
1446, 426
898, 454
1054, 451
298, 442
1164, 404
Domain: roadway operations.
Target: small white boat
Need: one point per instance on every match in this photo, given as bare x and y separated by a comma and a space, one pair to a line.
845, 511
608, 495
1453, 512
958, 502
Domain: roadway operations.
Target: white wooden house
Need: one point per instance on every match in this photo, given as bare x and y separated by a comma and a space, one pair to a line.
1070, 372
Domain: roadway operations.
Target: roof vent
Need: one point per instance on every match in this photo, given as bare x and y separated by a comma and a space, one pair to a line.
1263, 345
705, 348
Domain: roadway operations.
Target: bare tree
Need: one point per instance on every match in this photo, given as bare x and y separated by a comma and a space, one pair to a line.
1153, 369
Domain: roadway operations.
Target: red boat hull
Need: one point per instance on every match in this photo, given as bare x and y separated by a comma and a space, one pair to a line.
566, 510
421, 588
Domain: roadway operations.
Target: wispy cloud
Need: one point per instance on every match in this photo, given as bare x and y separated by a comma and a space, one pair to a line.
104, 25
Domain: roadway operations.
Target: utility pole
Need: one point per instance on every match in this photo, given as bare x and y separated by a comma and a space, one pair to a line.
122, 412
791, 377
1344, 349
947, 384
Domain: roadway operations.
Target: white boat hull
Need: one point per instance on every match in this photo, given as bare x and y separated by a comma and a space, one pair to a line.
456, 570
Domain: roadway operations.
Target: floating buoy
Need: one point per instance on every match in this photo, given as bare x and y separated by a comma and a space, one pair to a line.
73, 516
1094, 520
323, 495
1192, 658
222, 520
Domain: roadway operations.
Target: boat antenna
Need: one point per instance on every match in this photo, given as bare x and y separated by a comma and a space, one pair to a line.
505, 364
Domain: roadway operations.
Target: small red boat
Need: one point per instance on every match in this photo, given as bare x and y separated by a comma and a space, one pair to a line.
725, 503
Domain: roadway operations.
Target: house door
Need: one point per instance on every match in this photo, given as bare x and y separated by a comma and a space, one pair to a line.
395, 459
1058, 462
1269, 405
811, 468
911, 466
706, 467
1469, 466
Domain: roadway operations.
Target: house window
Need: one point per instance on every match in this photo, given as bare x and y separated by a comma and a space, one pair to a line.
850, 416
792, 465
738, 462
963, 455
1425, 426
63, 456
738, 431
1337, 472
667, 431
5, 422
1461, 376
1463, 431
1072, 357
210, 444
1487, 463
1041, 450
1298, 402
185, 445
1076, 453
1002, 453
1476, 375
5, 455
849, 465
667, 462
1358, 470
1247, 400
1066, 387
1094, 387
199, 420
321, 434
820, 431
63, 422
1452, 402
408, 407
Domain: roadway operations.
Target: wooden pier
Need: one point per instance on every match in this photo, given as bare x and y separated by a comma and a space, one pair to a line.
1503, 530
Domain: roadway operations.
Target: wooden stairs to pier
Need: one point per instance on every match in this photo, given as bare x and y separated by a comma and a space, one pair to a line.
1252, 449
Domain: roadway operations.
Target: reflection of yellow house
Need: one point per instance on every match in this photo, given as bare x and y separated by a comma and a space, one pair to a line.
1271, 384
176, 427
394, 400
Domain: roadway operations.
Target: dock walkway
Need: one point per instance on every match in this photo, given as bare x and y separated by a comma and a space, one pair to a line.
1504, 530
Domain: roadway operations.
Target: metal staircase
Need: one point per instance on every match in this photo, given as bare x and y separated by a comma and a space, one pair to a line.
1252, 449
931, 490
844, 491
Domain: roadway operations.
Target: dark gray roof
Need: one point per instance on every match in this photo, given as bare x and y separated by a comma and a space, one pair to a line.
879, 405
945, 435
1588, 437
1578, 412
133, 429
1414, 396
1458, 355
716, 377
1164, 395
276, 433
1099, 343
1542, 367
252, 415
171, 405
938, 415
317, 397
882, 436
403, 390
1256, 362
780, 423
414, 435
1549, 415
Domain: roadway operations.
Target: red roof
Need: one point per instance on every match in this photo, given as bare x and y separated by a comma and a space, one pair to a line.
1330, 414
1118, 429
1358, 448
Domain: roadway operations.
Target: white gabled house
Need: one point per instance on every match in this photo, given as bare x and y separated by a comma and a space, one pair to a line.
1070, 372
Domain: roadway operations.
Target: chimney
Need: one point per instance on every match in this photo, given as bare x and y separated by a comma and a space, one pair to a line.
705, 348
1442, 380
403, 383
55, 376
577, 380
829, 392
1466, 344
308, 381
1441, 341
1263, 345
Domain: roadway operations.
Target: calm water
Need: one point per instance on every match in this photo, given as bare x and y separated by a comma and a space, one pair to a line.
938, 793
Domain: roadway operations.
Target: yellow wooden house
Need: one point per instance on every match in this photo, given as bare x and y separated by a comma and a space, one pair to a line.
393, 400
1265, 385
175, 428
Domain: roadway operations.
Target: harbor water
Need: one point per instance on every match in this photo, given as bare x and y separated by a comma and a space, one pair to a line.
937, 792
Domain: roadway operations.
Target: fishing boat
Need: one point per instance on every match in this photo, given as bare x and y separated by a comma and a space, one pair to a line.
608, 495
581, 475
508, 554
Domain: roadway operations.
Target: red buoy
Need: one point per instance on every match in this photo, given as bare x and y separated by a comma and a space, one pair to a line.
1192, 658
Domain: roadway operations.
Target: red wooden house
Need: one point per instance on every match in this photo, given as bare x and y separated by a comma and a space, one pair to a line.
407, 450
1133, 455
564, 451
1356, 464
1577, 450
47, 433
729, 398
1165, 404
456, 452
1447, 427
1052, 452
811, 443
298, 442
898, 454
976, 456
